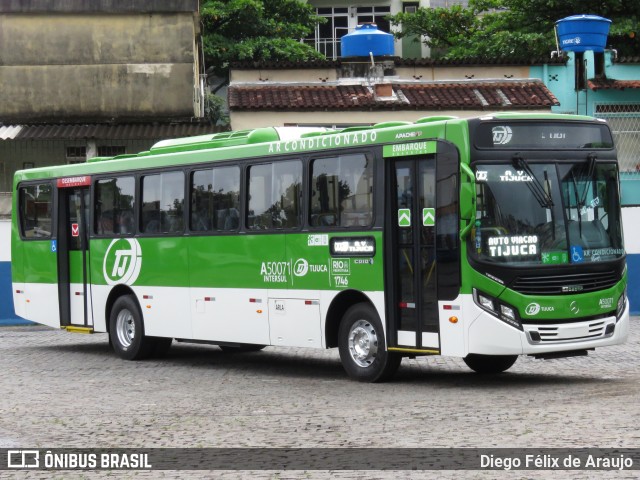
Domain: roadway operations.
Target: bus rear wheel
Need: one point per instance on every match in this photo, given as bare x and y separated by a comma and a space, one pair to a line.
126, 330
489, 363
362, 346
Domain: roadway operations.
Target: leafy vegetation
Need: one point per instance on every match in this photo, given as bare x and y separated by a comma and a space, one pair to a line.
256, 30
514, 28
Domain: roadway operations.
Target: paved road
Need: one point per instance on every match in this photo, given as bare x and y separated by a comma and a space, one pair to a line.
69, 390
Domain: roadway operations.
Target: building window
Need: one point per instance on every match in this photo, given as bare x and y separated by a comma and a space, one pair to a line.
410, 7
111, 150
374, 15
76, 154
326, 38
448, 3
342, 20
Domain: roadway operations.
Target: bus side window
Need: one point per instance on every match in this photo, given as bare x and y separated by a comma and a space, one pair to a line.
162, 203
114, 206
35, 210
274, 200
215, 199
341, 191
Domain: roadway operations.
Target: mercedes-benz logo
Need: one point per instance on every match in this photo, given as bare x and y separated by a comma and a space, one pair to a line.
574, 308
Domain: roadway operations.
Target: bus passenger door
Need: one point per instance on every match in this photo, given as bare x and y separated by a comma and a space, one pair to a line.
423, 246
414, 256
73, 258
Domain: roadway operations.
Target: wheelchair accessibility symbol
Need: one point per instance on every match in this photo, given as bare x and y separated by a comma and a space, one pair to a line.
577, 254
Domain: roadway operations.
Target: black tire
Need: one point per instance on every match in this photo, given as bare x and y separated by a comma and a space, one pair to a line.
362, 346
126, 330
487, 364
241, 348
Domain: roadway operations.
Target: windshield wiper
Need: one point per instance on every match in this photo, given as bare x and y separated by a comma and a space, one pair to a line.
588, 178
536, 187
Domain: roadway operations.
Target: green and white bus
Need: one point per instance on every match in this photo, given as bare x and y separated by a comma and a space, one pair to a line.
483, 238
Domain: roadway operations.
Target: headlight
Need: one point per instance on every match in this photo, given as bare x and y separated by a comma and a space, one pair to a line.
500, 310
621, 303
507, 312
486, 302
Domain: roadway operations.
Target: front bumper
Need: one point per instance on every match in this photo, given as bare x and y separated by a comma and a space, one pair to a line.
489, 336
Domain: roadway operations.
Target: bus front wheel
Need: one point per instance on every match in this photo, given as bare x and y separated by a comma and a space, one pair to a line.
489, 363
362, 346
126, 330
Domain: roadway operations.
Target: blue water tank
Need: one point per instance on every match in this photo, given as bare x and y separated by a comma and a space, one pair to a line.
364, 39
580, 33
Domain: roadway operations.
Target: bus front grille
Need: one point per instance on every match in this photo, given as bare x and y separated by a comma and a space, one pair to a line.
570, 332
565, 284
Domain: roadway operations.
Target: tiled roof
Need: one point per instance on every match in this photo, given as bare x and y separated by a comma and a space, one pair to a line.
305, 97
480, 61
611, 84
476, 95
131, 131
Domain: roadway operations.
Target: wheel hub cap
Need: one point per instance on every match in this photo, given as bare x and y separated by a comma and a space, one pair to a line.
363, 343
125, 328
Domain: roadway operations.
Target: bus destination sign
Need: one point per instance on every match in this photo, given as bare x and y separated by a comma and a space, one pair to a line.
548, 135
353, 247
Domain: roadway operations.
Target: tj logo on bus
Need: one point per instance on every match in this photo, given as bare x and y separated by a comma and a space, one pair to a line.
122, 261
535, 308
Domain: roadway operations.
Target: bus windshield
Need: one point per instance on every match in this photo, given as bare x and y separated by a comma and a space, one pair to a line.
547, 213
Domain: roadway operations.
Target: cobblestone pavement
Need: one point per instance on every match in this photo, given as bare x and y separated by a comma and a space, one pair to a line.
69, 390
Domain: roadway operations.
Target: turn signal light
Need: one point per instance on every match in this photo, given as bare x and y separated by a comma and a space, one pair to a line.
453, 319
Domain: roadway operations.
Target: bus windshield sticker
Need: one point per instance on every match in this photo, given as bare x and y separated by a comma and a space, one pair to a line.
516, 245
596, 254
577, 254
428, 217
353, 247
555, 257
404, 217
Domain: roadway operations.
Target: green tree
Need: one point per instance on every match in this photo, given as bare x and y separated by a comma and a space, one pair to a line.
256, 30
514, 28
